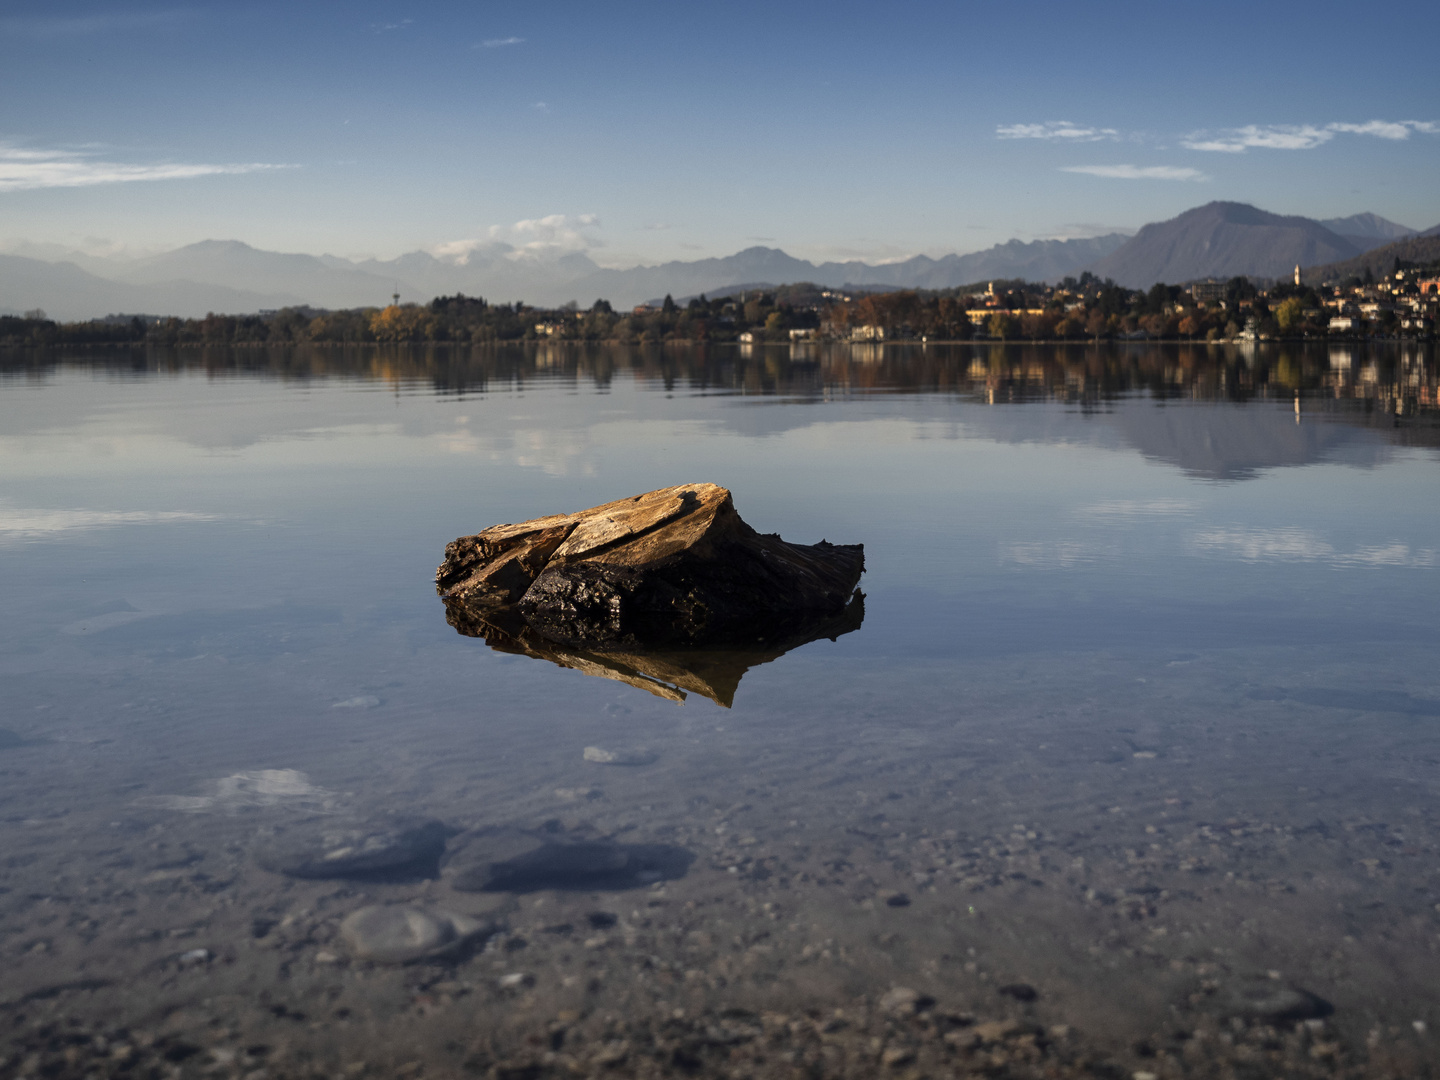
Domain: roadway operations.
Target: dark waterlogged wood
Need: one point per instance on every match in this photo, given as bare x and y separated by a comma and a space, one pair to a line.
671, 568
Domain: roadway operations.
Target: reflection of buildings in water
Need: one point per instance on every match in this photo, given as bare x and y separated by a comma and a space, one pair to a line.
669, 672
1388, 387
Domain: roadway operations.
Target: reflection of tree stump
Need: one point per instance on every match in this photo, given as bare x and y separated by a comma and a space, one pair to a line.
666, 590
669, 671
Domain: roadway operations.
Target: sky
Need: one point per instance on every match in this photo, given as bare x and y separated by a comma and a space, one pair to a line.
642, 132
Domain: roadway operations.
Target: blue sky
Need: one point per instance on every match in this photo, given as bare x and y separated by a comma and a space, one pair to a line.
642, 132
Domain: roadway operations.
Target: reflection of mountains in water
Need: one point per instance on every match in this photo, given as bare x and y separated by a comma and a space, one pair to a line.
669, 672
1237, 443
1357, 399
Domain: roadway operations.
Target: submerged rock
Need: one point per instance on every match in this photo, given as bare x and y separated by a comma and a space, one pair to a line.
673, 566
400, 933
1270, 1001
327, 848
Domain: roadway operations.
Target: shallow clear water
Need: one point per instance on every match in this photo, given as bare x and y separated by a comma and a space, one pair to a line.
1144, 707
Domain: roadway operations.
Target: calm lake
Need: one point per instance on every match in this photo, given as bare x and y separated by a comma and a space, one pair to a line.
1132, 767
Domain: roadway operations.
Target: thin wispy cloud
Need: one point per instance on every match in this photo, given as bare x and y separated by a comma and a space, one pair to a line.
501, 42
402, 24
23, 169
1056, 131
1220, 140
61, 26
1138, 172
1302, 136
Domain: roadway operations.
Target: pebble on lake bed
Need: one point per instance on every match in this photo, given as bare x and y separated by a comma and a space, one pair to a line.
400, 933
901, 1001
638, 755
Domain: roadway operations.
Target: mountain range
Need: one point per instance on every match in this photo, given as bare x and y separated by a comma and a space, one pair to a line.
229, 276
1217, 240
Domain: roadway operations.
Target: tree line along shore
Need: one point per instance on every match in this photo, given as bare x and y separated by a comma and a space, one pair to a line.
1076, 309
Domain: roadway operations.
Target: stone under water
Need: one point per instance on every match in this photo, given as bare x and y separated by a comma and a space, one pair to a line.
1269, 1000
401, 933
669, 591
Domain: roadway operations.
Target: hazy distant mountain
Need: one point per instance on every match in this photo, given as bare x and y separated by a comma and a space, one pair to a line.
494, 273
626, 287
1421, 248
68, 293
1039, 260
1367, 231
1221, 240
234, 265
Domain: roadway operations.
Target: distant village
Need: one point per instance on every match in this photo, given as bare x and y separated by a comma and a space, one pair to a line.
1403, 304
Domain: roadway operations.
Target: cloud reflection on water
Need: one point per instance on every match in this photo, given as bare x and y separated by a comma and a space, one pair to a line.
29, 524
1303, 545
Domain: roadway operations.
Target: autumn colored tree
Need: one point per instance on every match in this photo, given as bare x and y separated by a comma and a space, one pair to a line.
401, 323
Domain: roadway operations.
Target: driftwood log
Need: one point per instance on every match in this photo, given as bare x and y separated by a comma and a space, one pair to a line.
675, 567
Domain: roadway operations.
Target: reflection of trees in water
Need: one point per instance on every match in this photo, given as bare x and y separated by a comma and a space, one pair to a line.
1395, 378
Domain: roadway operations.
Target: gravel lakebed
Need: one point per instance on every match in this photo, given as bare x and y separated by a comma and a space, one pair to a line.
1130, 891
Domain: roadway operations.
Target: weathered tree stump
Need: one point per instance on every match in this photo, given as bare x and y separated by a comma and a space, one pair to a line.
671, 567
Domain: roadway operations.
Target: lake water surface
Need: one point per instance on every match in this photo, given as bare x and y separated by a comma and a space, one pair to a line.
1131, 768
